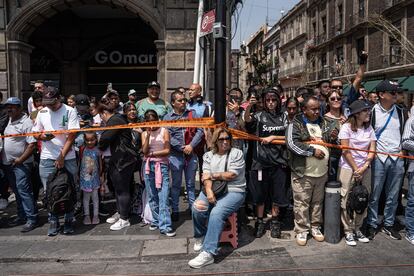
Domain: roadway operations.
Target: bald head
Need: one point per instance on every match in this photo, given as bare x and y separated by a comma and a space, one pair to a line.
195, 91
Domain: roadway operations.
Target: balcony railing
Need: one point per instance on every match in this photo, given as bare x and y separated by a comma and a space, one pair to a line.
320, 39
291, 71
336, 30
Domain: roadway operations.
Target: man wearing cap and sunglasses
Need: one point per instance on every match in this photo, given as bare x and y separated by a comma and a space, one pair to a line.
57, 150
388, 121
17, 163
153, 102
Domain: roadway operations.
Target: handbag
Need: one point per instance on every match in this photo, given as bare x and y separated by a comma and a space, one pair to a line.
219, 187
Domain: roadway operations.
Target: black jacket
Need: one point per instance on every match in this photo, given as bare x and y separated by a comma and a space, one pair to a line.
4, 118
123, 153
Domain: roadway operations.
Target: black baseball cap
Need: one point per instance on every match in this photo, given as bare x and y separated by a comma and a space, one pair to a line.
153, 84
82, 102
358, 106
388, 86
51, 96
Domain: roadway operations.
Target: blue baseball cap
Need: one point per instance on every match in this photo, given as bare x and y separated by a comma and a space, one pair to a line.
13, 101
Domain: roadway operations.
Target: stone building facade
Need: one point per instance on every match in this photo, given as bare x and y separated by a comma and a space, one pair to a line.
81, 45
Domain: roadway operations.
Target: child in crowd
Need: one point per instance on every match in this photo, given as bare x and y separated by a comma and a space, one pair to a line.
90, 171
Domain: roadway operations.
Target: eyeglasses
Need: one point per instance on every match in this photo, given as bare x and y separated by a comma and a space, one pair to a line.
271, 100
223, 139
335, 99
339, 87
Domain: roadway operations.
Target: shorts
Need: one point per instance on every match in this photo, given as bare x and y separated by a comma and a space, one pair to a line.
274, 183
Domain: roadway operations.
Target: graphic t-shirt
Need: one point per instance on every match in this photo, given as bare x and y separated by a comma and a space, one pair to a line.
316, 167
63, 119
89, 169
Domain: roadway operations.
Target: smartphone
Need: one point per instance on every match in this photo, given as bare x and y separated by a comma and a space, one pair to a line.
49, 135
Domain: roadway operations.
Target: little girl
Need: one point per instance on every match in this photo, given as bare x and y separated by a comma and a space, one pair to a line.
90, 170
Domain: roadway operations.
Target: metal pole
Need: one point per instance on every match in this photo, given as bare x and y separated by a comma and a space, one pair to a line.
197, 46
220, 66
206, 87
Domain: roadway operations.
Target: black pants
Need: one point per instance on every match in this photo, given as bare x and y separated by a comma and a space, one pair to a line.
121, 181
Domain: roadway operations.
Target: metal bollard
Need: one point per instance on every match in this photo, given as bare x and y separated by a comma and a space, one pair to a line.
332, 225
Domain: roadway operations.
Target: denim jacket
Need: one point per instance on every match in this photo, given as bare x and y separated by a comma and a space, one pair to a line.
177, 133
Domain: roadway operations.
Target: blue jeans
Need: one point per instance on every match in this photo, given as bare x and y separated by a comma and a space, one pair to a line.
178, 164
209, 223
47, 168
388, 176
158, 198
19, 180
409, 210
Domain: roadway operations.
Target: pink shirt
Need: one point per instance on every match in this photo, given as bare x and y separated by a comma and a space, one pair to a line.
360, 139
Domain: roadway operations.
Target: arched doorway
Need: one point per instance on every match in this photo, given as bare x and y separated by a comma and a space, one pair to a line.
83, 47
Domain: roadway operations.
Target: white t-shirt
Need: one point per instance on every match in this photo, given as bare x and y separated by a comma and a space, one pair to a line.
62, 119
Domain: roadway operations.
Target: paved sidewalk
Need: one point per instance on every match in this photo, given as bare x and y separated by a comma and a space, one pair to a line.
137, 250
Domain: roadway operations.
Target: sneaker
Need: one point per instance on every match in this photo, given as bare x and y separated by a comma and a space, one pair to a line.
68, 228
198, 244
349, 239
87, 220
410, 238
170, 233
95, 220
275, 231
259, 229
3, 203
203, 259
390, 231
361, 237
317, 234
153, 227
175, 216
120, 224
302, 238
371, 232
53, 228
29, 226
115, 217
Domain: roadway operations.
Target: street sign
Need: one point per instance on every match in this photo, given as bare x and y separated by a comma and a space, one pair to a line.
207, 23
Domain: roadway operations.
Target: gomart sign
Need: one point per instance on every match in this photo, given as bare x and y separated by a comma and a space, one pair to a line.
116, 57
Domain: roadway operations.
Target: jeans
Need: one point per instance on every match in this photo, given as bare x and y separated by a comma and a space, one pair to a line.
386, 175
47, 168
209, 223
409, 210
178, 164
158, 198
19, 179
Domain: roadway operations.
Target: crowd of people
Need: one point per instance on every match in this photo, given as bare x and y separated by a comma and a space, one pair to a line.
264, 176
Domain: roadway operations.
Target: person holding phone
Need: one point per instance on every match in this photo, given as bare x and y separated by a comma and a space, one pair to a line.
234, 113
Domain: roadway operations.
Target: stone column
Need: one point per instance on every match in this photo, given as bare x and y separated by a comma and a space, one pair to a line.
160, 46
19, 69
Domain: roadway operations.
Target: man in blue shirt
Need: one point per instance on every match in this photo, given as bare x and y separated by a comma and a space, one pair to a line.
182, 157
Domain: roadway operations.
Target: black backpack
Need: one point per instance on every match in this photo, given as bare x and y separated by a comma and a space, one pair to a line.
61, 194
357, 199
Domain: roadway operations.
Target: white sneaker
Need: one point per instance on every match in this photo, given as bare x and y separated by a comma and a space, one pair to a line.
349, 239
302, 238
203, 259
115, 217
3, 203
361, 237
120, 224
198, 244
317, 234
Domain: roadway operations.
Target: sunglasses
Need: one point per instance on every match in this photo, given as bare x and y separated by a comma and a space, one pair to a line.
223, 139
335, 99
340, 87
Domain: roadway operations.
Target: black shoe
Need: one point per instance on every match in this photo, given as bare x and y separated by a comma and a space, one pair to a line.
54, 228
103, 211
390, 231
175, 216
170, 233
16, 221
275, 231
259, 229
28, 227
68, 228
371, 232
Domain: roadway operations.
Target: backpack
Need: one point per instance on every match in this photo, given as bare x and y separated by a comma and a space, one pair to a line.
357, 200
61, 194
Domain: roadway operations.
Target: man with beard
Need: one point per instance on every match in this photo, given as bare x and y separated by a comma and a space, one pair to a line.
153, 102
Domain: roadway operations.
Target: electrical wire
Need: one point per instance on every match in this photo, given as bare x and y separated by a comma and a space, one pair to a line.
236, 19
